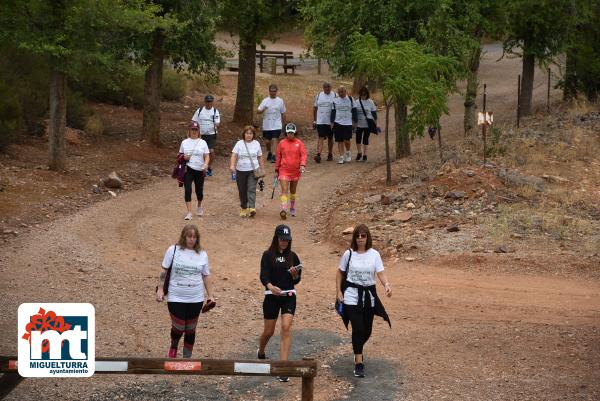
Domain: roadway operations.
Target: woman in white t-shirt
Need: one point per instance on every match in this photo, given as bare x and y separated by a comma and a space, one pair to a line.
365, 110
246, 156
196, 153
355, 283
188, 286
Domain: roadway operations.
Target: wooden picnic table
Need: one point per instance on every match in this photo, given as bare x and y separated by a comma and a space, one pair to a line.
278, 54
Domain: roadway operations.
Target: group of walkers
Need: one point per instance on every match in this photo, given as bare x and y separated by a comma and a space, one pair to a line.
185, 281
336, 117
185, 275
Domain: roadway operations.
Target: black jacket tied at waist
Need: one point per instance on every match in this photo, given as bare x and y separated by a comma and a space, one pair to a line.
364, 292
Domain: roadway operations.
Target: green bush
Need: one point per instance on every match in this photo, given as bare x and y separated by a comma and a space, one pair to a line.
173, 85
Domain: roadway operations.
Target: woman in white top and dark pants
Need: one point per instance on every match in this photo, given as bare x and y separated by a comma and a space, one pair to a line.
190, 276
196, 153
355, 283
246, 156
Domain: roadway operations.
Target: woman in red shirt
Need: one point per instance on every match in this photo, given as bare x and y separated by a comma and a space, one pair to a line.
291, 161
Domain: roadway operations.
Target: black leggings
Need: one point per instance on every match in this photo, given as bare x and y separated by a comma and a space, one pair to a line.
184, 317
362, 136
197, 177
362, 325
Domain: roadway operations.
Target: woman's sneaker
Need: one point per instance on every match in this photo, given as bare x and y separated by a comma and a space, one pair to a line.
348, 157
188, 216
283, 379
329, 157
318, 158
244, 213
172, 353
251, 212
364, 158
359, 370
293, 212
199, 211
358, 157
341, 160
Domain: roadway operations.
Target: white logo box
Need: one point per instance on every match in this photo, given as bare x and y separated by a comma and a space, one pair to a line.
40, 339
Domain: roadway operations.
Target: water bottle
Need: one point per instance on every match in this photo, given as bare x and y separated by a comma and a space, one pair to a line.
233, 176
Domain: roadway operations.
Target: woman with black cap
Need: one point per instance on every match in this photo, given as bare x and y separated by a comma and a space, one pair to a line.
280, 270
355, 283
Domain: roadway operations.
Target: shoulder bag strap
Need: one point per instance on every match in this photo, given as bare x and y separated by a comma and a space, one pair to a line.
249, 155
363, 108
213, 118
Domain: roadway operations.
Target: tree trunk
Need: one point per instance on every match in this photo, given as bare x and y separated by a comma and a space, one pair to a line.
244, 101
470, 118
152, 91
570, 83
527, 81
58, 121
388, 161
402, 134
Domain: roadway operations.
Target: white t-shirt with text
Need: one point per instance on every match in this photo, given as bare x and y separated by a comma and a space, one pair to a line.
207, 120
363, 267
273, 109
324, 104
343, 110
197, 148
243, 155
189, 266
369, 106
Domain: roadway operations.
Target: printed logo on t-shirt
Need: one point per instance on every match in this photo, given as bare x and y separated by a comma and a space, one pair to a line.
280, 259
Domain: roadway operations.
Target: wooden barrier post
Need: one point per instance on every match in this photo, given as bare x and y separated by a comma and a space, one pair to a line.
306, 369
319, 66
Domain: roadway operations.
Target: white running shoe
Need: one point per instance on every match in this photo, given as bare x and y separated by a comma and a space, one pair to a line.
188, 216
199, 212
341, 160
348, 157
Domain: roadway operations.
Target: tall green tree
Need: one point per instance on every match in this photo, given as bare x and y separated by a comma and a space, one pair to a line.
252, 21
412, 80
456, 29
69, 34
536, 31
183, 35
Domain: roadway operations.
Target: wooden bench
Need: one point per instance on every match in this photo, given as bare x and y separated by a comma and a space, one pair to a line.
277, 54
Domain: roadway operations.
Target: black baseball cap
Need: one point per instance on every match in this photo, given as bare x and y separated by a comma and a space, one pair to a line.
209, 98
283, 232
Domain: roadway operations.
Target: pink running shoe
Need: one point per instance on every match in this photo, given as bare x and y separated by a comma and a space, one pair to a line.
172, 353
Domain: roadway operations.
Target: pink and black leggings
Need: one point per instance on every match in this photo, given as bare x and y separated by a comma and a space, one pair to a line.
184, 317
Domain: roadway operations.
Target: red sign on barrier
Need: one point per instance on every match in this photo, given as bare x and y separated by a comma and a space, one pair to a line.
12, 364
180, 365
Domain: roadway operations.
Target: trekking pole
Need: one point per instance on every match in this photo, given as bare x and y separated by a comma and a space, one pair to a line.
275, 181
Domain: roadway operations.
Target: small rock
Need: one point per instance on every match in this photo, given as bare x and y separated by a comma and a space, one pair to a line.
516, 235
452, 228
372, 199
455, 195
501, 249
470, 173
404, 176
410, 205
402, 216
409, 259
112, 193
113, 181
348, 231
555, 179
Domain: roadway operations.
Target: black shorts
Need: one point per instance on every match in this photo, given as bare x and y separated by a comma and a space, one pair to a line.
268, 135
324, 131
211, 141
342, 132
362, 135
273, 303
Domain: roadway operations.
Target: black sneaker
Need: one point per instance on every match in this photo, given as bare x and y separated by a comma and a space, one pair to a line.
318, 158
329, 157
358, 157
273, 159
269, 156
260, 355
359, 370
283, 379
364, 158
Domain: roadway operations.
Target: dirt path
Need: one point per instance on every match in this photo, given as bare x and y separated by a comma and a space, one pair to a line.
457, 334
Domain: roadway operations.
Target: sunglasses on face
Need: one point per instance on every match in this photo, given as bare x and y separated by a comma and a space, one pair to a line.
361, 235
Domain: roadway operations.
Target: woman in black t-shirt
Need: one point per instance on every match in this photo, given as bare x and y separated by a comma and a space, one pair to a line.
280, 269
